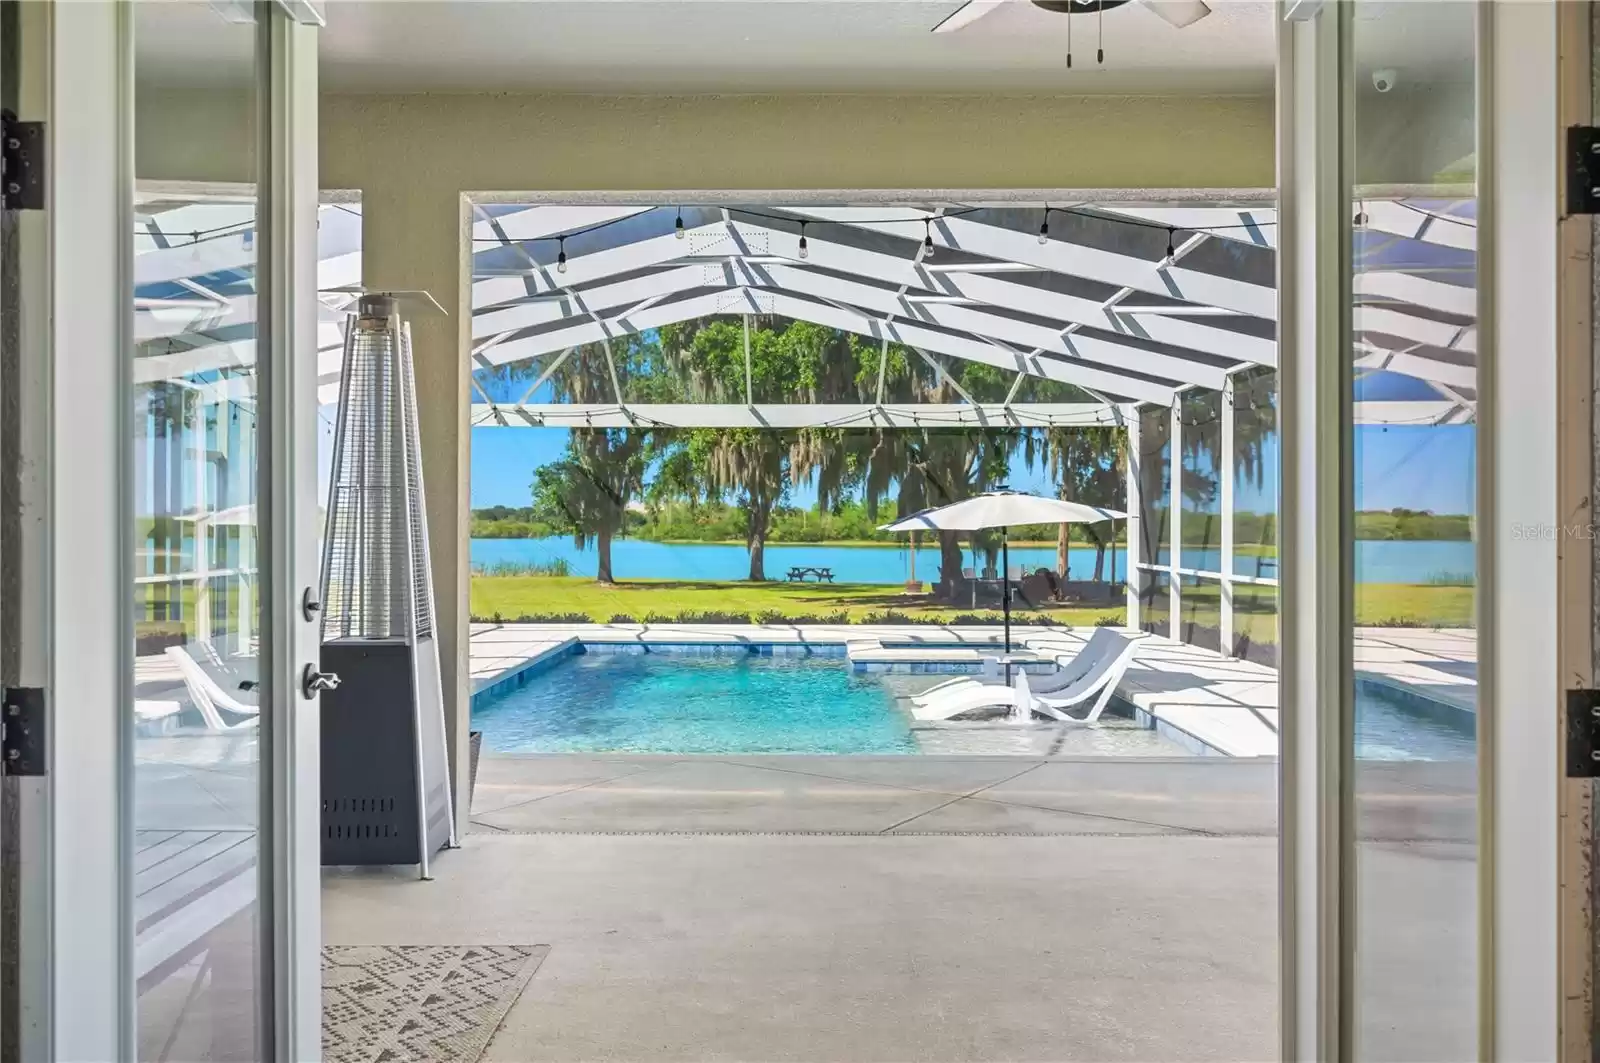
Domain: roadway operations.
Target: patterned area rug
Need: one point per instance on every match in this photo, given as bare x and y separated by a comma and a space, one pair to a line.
422, 1003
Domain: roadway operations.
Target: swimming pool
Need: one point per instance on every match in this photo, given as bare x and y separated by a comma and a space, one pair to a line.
1386, 730
738, 702
671, 703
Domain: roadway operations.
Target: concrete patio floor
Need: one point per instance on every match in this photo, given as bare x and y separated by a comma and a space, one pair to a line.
860, 908
926, 908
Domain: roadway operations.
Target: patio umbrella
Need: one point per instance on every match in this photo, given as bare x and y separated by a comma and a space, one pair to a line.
1003, 510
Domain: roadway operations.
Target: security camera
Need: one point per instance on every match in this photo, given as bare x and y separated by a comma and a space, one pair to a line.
1383, 80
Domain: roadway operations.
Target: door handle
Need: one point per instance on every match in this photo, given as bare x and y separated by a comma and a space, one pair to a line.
313, 682
309, 605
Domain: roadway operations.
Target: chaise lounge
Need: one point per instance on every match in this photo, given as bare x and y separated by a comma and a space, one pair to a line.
208, 696
1092, 673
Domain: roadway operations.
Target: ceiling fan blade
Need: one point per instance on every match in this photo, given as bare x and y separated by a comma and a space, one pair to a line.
1180, 13
966, 15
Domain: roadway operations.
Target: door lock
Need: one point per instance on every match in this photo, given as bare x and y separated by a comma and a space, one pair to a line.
313, 682
310, 606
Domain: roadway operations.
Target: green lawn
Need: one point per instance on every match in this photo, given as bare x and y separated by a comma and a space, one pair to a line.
510, 598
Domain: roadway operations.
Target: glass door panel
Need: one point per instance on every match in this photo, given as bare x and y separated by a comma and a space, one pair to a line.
1411, 448
197, 540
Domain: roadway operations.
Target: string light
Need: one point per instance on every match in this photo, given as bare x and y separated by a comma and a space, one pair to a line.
1361, 216
561, 256
1172, 252
927, 238
1044, 227
1069, 40
804, 251
1136, 223
677, 226
1100, 30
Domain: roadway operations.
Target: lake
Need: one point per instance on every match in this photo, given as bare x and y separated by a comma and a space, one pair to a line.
1377, 560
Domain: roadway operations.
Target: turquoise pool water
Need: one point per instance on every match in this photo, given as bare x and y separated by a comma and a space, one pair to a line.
660, 703
741, 703
1387, 731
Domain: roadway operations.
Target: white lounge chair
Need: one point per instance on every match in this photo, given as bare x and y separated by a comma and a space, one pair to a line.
208, 695
1092, 673
1069, 667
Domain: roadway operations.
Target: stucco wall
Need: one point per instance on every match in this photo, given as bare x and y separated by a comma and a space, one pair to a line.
504, 142
755, 142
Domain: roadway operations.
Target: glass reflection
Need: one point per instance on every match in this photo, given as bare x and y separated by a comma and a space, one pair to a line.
196, 466
1412, 451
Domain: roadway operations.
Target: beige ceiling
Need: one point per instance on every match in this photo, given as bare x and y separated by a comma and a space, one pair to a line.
787, 46
755, 46
730, 46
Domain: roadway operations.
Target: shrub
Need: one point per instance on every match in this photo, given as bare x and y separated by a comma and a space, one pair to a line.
1109, 621
689, 616
558, 566
621, 618
554, 618
775, 616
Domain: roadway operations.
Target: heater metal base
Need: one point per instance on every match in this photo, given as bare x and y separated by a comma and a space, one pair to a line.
369, 755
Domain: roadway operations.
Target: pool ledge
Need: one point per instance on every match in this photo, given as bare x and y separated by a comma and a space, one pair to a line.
495, 675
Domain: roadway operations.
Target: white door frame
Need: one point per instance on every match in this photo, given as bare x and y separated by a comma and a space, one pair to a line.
1520, 147
291, 868
1313, 272
80, 866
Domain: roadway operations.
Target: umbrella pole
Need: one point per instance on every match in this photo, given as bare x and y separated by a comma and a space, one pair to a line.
1005, 581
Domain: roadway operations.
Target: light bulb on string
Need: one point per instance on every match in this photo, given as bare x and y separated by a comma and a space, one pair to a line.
1044, 227
927, 238
561, 255
677, 226
804, 250
1172, 252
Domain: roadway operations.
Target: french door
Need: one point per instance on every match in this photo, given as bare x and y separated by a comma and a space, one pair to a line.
162, 352
1419, 151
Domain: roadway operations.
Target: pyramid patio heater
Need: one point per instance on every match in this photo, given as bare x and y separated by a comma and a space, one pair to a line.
385, 778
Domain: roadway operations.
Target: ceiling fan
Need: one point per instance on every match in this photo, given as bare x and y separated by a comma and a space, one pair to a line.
1179, 13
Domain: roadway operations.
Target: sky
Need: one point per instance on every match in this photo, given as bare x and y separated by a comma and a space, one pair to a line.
1423, 467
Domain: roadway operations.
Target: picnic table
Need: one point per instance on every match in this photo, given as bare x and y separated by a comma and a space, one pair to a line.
799, 574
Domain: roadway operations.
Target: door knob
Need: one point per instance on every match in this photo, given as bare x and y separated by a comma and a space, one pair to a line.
313, 682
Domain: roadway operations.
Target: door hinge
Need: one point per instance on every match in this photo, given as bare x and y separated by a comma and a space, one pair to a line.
21, 163
22, 749
1583, 734
1583, 169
